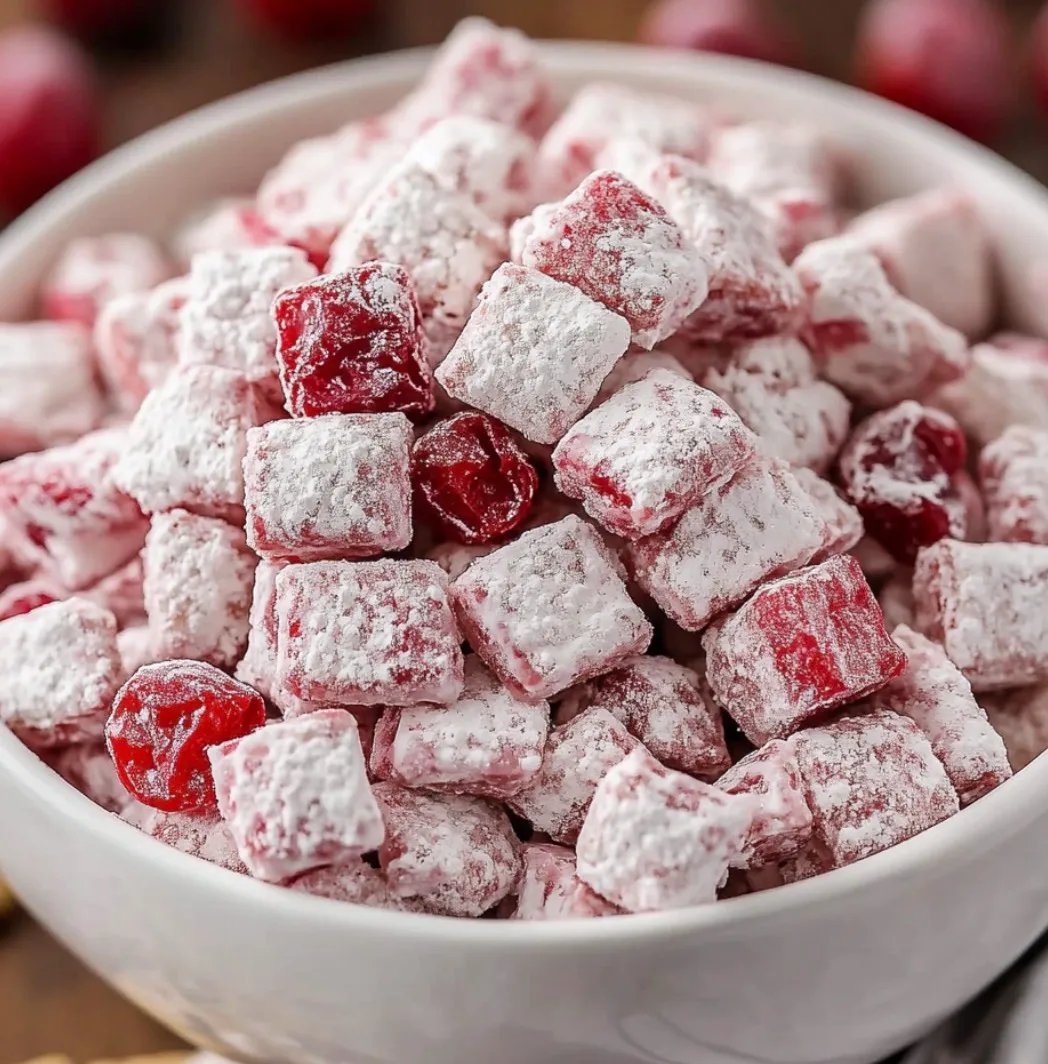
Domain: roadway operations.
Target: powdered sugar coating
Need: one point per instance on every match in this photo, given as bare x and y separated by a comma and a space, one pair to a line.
92, 270
759, 525
48, 391
456, 558
367, 633
186, 445
135, 645
1006, 646
773, 387
258, 666
869, 340
752, 292
550, 889
933, 693
663, 705
134, 337
447, 244
801, 647
61, 669
937, 252
202, 835
636, 368
577, 757
620, 247
487, 743
653, 450
1020, 717
1006, 385
227, 319
89, 768
25, 595
455, 856
656, 839
229, 224
843, 526
602, 112
295, 795
198, 579
871, 781
789, 171
1013, 472
355, 882
782, 824
64, 512
533, 353
549, 610
121, 592
335, 486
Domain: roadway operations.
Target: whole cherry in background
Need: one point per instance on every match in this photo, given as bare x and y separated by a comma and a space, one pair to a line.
733, 27
307, 19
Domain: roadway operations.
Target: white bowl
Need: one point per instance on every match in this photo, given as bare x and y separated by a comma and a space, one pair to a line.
844, 968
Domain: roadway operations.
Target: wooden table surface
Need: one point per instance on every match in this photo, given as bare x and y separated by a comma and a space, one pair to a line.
48, 1001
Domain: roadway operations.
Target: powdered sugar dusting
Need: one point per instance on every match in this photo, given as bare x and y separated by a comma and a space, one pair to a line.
549, 888
1013, 471
843, 523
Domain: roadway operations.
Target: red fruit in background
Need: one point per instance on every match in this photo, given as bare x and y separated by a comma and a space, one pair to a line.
304, 19
948, 59
733, 27
49, 122
94, 18
1039, 58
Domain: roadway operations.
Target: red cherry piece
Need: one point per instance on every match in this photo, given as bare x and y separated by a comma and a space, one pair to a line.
801, 647
732, 27
352, 343
899, 469
164, 720
471, 479
307, 19
46, 84
948, 59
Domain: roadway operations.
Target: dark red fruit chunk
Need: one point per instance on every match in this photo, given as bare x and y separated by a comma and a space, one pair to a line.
48, 114
352, 343
164, 720
731, 27
899, 470
471, 479
948, 59
116, 23
307, 19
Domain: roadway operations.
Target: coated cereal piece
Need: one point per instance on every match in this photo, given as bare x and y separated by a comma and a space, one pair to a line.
656, 839
445, 242
367, 633
186, 445
1020, 717
842, 522
92, 270
48, 390
936, 251
227, 319
663, 705
533, 353
229, 224
258, 666
759, 525
752, 292
577, 757
484, 71
603, 112
873, 343
121, 593
489, 161
636, 368
1006, 385
89, 768
456, 558
329, 487
455, 856
1005, 645
550, 889
782, 825
773, 387
204, 835
933, 693
61, 669
789, 171
619, 246
321, 182
355, 882
136, 649
487, 743
64, 512
549, 610
1013, 471
871, 781
353, 343
198, 579
295, 795
801, 647
649, 453
135, 337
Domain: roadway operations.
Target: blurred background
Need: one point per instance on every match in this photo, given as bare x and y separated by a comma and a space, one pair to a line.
104, 71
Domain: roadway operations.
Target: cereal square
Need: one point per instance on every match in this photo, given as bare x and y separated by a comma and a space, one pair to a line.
550, 889
1013, 471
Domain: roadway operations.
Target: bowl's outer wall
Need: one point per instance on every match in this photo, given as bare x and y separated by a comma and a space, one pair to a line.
845, 969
